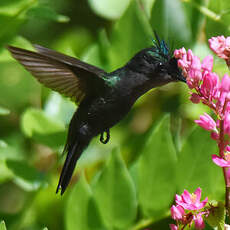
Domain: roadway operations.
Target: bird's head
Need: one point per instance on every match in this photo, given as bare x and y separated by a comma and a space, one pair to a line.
158, 63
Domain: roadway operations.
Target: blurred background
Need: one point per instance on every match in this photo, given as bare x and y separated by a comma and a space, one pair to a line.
34, 120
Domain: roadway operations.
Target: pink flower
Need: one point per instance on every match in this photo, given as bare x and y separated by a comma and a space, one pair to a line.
228, 173
194, 73
206, 122
198, 220
228, 148
221, 46
227, 123
178, 54
195, 98
225, 83
177, 212
214, 135
191, 201
207, 63
210, 85
221, 161
173, 227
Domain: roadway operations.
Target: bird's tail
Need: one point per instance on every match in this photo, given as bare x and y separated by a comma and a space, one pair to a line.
74, 153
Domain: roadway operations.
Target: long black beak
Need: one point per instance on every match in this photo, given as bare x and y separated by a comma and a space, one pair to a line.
181, 77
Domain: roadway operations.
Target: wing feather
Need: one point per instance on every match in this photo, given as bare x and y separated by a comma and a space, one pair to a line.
58, 71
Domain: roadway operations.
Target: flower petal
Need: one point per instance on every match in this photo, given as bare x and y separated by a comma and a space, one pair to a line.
173, 227
220, 161
199, 222
198, 193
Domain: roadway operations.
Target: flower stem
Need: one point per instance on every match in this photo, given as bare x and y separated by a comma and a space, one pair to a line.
221, 146
204, 10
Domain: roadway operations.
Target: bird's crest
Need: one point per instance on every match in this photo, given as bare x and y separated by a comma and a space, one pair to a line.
162, 51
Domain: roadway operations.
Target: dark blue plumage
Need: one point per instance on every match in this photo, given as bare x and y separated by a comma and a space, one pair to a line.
104, 98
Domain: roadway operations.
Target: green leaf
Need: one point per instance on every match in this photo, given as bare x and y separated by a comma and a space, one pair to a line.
10, 152
47, 13
59, 108
157, 167
218, 27
45, 228
170, 25
10, 29
81, 210
112, 9
195, 160
13, 7
126, 39
35, 120
148, 5
16, 41
216, 217
12, 16
43, 128
4, 111
195, 17
5, 172
2, 225
115, 194
25, 176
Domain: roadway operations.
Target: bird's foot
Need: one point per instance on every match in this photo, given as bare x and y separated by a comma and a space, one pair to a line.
105, 140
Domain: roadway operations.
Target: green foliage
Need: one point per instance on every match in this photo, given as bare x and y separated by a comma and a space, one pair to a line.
81, 208
217, 215
4, 111
131, 182
2, 225
112, 185
157, 155
194, 160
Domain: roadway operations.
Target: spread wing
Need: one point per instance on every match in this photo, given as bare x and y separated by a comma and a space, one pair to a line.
66, 75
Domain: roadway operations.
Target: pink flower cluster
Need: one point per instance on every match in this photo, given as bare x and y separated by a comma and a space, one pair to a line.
212, 92
221, 47
189, 209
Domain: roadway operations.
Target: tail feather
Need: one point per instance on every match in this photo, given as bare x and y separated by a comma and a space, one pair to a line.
73, 155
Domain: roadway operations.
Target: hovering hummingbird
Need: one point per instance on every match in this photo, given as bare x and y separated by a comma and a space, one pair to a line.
103, 98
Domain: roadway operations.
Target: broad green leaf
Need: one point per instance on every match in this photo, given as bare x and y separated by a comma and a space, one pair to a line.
147, 5
112, 9
36, 124
5, 173
10, 152
170, 25
10, 29
2, 225
81, 209
216, 217
4, 111
17, 87
157, 167
18, 41
195, 167
195, 17
13, 7
45, 228
217, 27
74, 42
97, 54
47, 13
25, 176
12, 16
59, 108
115, 194
126, 40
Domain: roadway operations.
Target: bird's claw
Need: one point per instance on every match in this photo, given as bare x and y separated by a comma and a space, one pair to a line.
105, 140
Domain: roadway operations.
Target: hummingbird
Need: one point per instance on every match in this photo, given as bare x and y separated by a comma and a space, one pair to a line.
103, 98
